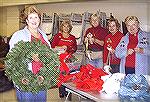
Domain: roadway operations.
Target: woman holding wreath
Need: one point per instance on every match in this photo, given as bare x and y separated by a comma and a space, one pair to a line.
31, 31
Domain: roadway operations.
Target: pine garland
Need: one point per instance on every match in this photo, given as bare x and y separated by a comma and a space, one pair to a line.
16, 65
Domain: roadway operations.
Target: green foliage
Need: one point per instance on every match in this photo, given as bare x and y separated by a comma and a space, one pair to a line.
16, 65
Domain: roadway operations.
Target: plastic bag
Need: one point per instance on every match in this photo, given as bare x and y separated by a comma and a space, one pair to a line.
134, 88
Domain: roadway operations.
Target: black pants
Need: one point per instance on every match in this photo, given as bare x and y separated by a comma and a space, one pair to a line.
5, 83
115, 68
129, 70
63, 93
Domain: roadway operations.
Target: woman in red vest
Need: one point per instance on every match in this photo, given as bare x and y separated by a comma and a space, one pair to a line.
111, 42
64, 41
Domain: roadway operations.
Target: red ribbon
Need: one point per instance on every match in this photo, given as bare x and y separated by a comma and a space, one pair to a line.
36, 66
63, 65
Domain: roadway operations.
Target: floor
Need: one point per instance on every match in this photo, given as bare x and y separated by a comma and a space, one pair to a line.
52, 96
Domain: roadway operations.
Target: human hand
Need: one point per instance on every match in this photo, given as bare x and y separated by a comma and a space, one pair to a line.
89, 35
112, 51
86, 39
130, 51
139, 50
35, 57
64, 47
91, 40
61, 49
100, 42
105, 64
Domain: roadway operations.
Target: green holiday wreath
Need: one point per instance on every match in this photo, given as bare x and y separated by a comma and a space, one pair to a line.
16, 65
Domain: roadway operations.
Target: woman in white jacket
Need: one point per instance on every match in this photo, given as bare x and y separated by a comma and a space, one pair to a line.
32, 18
134, 49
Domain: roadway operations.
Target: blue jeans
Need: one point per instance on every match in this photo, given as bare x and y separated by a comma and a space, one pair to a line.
115, 68
31, 97
98, 63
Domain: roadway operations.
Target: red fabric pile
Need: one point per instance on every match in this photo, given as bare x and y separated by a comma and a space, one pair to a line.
88, 79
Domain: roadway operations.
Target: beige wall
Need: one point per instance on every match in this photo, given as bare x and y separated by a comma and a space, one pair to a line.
12, 19
3, 21
25, 2
9, 20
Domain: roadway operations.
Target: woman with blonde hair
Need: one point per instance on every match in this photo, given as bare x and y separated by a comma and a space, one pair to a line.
64, 40
134, 48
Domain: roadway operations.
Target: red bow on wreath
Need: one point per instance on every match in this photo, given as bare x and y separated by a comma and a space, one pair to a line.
36, 66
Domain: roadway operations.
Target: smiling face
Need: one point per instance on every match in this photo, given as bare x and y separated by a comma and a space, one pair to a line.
112, 27
33, 20
65, 28
132, 26
94, 20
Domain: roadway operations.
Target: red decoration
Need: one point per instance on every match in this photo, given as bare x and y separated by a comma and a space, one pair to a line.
63, 65
88, 79
36, 66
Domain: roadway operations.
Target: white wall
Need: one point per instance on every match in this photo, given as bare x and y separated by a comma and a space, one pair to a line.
9, 16
119, 9
148, 20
